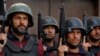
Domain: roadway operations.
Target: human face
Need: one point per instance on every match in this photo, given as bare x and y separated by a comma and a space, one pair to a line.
20, 22
49, 31
95, 33
74, 37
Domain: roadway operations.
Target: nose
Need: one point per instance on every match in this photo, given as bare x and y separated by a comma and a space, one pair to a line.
75, 35
21, 21
98, 31
50, 30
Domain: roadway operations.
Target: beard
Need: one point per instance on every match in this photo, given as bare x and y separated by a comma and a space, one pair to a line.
20, 30
94, 39
73, 46
48, 39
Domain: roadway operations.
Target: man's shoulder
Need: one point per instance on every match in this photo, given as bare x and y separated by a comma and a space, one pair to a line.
35, 38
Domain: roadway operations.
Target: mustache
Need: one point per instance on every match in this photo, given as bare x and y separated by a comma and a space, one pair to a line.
76, 39
21, 25
97, 35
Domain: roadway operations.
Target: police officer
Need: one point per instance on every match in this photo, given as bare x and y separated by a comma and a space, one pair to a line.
74, 34
93, 34
50, 29
20, 43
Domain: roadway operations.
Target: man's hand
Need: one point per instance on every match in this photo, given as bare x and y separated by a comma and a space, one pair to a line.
3, 39
62, 48
45, 48
85, 44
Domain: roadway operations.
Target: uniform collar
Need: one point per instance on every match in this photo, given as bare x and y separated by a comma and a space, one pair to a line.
13, 37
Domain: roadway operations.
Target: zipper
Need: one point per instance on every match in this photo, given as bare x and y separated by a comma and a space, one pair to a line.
21, 45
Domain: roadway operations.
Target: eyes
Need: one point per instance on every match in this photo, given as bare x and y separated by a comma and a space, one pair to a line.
49, 27
75, 31
97, 28
19, 18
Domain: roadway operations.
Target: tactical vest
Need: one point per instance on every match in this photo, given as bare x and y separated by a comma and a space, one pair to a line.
95, 50
30, 48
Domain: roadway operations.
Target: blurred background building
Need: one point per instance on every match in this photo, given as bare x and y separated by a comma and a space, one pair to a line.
51, 8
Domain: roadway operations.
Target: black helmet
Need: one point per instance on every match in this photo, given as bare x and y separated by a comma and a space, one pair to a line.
47, 20
92, 22
74, 22
20, 7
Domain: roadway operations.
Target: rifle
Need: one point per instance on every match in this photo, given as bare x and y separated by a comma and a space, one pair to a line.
40, 29
85, 23
62, 24
85, 20
2, 19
